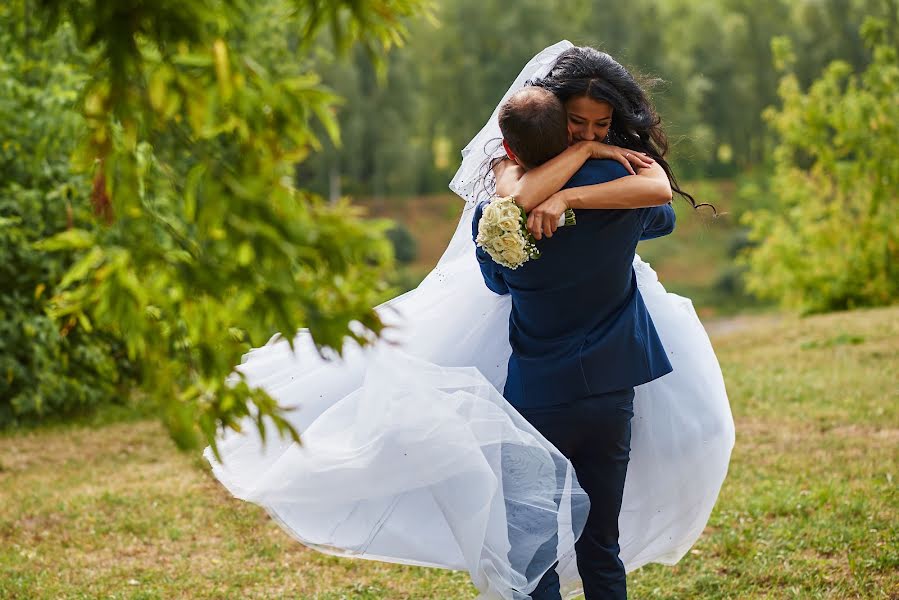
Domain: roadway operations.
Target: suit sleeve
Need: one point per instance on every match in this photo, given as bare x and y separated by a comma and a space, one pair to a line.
490, 271
657, 221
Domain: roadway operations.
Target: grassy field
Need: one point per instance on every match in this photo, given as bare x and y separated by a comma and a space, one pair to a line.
810, 508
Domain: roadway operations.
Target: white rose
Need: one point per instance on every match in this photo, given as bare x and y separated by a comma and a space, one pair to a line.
511, 242
514, 256
510, 211
487, 230
493, 208
509, 224
491, 214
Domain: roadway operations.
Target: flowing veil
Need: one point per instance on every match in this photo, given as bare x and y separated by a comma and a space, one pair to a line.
411, 455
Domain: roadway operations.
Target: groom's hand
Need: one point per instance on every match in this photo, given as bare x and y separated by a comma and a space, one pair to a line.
544, 219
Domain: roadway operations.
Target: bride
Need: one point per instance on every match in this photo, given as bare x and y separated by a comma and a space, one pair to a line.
410, 453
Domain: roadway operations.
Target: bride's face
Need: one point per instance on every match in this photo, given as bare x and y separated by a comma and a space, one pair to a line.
588, 119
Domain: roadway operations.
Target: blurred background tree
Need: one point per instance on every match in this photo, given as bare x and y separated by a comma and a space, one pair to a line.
714, 59
830, 241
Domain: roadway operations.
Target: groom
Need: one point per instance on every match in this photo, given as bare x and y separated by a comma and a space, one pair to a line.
581, 336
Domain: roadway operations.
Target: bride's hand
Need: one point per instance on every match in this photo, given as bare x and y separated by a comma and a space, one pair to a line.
631, 159
544, 218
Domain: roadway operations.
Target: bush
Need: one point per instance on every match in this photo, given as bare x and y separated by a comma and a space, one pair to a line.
831, 240
405, 249
45, 370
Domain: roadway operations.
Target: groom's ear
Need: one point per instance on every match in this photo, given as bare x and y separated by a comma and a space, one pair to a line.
509, 152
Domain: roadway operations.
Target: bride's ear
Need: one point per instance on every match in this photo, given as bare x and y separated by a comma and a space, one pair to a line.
509, 152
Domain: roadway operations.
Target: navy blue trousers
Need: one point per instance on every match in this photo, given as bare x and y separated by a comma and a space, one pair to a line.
594, 433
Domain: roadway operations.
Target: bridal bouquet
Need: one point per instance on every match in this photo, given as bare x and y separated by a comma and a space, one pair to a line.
503, 232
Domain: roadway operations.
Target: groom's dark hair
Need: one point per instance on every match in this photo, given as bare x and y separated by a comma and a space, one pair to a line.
535, 125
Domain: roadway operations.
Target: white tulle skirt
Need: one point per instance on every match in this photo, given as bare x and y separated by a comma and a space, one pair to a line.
411, 455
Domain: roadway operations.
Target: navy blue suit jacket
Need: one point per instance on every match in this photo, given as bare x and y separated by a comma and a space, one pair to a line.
578, 325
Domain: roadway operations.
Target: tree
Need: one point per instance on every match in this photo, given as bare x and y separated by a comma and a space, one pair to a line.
46, 369
831, 240
714, 60
196, 114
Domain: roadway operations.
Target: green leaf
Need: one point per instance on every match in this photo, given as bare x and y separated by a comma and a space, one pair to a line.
72, 239
82, 267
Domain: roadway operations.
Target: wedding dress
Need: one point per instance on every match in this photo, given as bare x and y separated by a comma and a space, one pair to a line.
411, 455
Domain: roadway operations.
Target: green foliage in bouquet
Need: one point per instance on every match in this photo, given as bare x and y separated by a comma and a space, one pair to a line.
46, 367
830, 241
196, 115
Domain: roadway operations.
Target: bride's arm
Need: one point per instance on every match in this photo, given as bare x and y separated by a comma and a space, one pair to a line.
530, 188
533, 187
649, 187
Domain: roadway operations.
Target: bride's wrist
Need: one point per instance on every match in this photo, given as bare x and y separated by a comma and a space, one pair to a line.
568, 197
585, 149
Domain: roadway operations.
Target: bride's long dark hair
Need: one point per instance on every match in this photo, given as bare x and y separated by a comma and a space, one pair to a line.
585, 71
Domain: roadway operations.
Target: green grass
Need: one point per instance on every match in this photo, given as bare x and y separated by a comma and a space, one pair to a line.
810, 507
